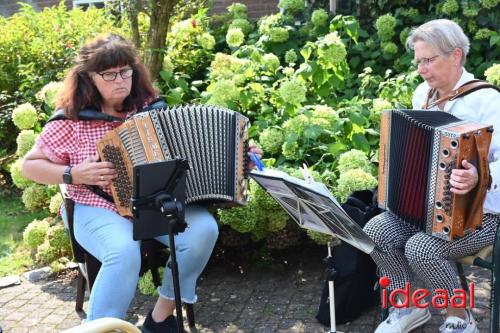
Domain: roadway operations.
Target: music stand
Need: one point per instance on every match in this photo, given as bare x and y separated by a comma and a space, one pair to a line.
159, 191
313, 207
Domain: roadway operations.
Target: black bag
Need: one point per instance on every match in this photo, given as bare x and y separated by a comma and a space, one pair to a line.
356, 271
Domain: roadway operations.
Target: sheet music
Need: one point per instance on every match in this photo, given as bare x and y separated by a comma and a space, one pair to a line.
313, 207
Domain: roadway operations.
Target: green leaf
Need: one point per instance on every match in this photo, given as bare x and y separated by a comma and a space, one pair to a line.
174, 97
181, 83
352, 29
306, 51
324, 90
166, 75
360, 142
494, 40
357, 119
354, 61
313, 131
372, 131
319, 77
336, 148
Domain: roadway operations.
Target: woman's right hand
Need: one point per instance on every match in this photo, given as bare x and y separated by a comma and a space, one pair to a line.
93, 172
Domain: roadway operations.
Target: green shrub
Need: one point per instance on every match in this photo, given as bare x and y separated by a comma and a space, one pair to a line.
24, 116
36, 197
353, 180
292, 6
493, 74
319, 237
48, 95
235, 37
36, 47
45, 254
319, 17
35, 233
271, 140
385, 27
59, 239
189, 47
261, 217
25, 141
353, 159
16, 175
55, 203
55, 246
146, 285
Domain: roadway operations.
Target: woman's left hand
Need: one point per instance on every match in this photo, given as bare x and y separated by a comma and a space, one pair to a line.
252, 148
462, 181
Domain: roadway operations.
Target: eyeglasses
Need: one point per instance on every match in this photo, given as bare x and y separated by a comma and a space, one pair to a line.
111, 76
426, 62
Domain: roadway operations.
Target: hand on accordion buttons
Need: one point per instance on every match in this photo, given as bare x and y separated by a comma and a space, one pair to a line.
462, 181
252, 148
92, 172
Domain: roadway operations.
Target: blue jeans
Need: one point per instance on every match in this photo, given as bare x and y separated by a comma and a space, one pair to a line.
108, 237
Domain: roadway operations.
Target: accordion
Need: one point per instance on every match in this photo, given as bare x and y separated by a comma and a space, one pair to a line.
213, 140
418, 150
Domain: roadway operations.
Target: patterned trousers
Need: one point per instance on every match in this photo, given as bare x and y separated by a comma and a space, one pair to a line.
408, 252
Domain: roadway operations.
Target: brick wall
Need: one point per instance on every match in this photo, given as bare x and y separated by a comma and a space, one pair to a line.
255, 8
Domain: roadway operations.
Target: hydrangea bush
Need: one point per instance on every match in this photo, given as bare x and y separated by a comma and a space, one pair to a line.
312, 84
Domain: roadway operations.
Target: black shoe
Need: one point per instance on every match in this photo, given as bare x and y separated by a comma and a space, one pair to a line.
169, 325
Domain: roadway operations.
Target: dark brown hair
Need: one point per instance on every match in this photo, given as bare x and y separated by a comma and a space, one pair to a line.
103, 52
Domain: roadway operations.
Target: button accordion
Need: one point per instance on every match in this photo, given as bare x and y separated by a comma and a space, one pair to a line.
213, 140
418, 150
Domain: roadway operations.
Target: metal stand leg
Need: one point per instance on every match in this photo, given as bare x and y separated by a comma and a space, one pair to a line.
175, 277
172, 209
330, 275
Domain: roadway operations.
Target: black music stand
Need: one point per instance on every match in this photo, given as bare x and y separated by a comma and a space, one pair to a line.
159, 192
313, 207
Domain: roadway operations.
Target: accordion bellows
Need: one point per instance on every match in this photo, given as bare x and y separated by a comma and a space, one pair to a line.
418, 150
213, 140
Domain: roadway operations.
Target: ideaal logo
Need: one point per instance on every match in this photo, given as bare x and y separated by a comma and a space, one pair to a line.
440, 299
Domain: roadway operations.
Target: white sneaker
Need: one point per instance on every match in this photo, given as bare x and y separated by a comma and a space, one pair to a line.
458, 325
403, 320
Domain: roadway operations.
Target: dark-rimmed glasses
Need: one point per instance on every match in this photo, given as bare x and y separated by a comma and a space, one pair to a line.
111, 76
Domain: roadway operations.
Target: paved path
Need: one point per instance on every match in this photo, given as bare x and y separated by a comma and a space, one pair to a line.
232, 299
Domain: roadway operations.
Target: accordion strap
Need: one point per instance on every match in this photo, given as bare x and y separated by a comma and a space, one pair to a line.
93, 114
465, 89
90, 114
482, 146
98, 191
85, 114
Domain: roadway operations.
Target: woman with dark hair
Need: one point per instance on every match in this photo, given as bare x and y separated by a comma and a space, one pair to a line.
108, 77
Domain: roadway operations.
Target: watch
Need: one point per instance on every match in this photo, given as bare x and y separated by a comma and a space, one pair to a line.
67, 178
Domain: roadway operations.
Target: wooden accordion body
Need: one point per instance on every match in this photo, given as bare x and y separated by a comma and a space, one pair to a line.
213, 140
418, 150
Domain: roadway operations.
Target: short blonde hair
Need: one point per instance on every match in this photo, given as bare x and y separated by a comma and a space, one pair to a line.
443, 35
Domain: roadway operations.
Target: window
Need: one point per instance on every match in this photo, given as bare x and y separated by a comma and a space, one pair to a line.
84, 4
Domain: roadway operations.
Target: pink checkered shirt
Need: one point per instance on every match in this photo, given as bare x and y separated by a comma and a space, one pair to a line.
70, 142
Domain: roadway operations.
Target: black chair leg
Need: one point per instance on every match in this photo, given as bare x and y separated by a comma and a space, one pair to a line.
80, 291
93, 266
190, 314
495, 286
461, 275
156, 277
